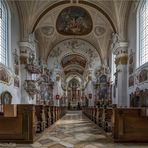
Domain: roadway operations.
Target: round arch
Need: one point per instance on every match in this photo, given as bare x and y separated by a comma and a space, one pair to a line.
68, 1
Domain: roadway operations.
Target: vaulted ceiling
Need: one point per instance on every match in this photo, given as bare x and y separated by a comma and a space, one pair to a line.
73, 35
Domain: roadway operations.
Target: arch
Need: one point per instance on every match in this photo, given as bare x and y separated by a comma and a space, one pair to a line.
71, 39
68, 1
6, 98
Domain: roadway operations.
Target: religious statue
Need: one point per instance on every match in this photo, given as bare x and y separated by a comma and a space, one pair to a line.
31, 58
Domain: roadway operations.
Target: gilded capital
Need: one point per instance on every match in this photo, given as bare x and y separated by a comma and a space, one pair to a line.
121, 60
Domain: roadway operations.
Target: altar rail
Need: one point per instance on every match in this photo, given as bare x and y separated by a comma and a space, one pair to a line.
123, 124
29, 121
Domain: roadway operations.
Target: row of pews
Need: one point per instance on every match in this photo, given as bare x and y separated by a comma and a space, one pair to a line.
25, 123
121, 124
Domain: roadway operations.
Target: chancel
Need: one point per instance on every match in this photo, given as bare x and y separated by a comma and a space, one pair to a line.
73, 73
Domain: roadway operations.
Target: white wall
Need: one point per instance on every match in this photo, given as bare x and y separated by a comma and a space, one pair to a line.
132, 39
14, 38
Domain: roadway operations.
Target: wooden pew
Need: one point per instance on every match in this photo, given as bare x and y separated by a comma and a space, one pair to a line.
19, 129
22, 127
47, 116
40, 114
53, 114
100, 117
108, 120
1, 110
94, 115
129, 125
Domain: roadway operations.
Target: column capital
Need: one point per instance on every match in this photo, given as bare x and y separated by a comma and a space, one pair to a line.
27, 45
120, 47
121, 52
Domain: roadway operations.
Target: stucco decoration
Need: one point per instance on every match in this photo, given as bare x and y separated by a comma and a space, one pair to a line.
99, 30
47, 30
143, 76
131, 63
74, 20
16, 62
131, 81
31, 87
34, 69
69, 48
5, 76
103, 79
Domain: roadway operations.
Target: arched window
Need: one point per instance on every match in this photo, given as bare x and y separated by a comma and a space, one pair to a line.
142, 33
3, 33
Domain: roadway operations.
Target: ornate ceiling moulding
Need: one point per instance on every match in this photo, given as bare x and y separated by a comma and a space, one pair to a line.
100, 10
99, 30
82, 2
47, 10
47, 30
74, 20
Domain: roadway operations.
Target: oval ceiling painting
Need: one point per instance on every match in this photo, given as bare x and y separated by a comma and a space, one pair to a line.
74, 20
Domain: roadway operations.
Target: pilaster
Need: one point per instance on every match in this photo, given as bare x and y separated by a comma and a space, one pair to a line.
121, 52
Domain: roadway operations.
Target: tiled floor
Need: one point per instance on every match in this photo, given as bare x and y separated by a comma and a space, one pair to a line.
75, 131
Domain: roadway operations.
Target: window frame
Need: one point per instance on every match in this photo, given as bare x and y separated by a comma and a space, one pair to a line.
8, 35
138, 58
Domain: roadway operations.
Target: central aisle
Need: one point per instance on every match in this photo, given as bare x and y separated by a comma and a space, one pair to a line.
75, 130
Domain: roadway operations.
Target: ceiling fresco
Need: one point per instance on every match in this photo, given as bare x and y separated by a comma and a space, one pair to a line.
74, 54
74, 71
73, 59
74, 20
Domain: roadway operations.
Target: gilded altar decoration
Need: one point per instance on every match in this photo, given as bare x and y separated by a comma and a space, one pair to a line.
74, 20
103, 90
32, 67
45, 85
